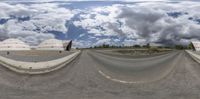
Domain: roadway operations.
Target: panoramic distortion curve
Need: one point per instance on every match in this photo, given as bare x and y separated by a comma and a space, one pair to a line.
136, 72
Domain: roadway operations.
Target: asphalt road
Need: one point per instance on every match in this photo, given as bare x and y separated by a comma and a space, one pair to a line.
136, 70
173, 76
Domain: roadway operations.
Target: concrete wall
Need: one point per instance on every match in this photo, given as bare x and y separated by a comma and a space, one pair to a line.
196, 45
38, 67
53, 44
195, 56
13, 44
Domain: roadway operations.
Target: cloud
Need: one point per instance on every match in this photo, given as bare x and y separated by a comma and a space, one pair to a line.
144, 22
93, 0
33, 23
117, 24
80, 0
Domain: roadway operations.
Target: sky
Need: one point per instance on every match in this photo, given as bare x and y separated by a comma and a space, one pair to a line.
92, 23
94, 0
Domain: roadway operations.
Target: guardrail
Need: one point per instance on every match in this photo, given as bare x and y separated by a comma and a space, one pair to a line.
37, 67
196, 57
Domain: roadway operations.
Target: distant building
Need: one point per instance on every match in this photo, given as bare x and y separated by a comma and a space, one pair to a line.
13, 44
54, 44
196, 45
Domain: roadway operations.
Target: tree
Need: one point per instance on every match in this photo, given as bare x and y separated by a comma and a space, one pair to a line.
137, 46
190, 46
179, 47
148, 45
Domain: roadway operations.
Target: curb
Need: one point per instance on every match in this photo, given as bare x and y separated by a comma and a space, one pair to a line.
194, 56
39, 67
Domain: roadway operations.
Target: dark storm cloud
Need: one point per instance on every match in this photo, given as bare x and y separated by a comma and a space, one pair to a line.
143, 20
147, 22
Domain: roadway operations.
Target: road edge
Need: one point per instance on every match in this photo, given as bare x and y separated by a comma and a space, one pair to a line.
39, 67
194, 56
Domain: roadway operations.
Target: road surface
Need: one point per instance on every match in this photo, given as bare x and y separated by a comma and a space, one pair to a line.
178, 78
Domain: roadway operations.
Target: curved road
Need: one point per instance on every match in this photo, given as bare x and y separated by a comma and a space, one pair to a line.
81, 80
136, 70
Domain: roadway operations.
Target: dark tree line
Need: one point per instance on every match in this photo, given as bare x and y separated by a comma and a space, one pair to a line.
122, 46
178, 47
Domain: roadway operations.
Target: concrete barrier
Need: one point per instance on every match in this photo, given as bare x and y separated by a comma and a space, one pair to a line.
196, 57
37, 67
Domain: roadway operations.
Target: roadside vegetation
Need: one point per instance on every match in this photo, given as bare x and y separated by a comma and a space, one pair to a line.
142, 49
147, 46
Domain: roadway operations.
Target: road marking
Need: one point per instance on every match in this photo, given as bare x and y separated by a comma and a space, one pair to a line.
117, 80
139, 82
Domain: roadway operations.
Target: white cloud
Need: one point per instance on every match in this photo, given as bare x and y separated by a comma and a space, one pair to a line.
103, 41
82, 43
80, 0
144, 22
127, 24
39, 19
